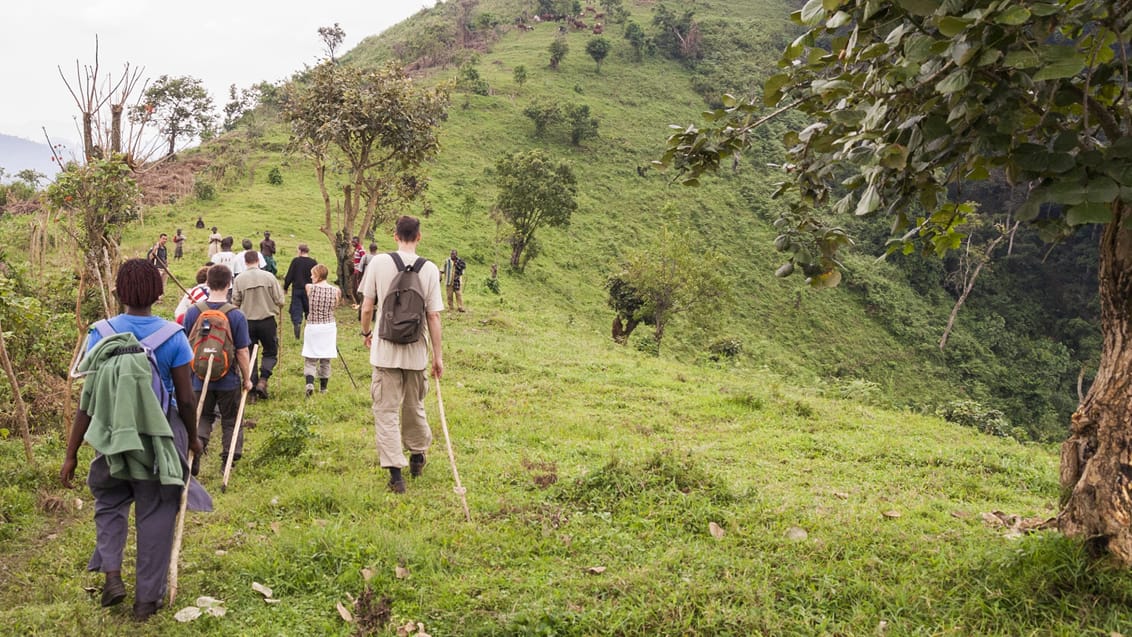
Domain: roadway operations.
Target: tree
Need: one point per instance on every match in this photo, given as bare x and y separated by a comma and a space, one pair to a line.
669, 277
582, 125
598, 47
629, 306
543, 113
520, 75
240, 106
637, 39
907, 97
534, 191
332, 38
558, 50
31, 177
379, 129
180, 106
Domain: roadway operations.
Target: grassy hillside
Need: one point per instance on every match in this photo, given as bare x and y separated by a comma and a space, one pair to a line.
794, 490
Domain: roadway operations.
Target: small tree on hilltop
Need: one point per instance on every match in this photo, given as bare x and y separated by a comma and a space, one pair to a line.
520, 75
332, 38
637, 39
582, 125
543, 113
534, 191
558, 50
598, 47
908, 98
180, 106
379, 129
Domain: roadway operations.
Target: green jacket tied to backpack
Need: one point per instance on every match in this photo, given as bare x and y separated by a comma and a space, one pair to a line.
127, 423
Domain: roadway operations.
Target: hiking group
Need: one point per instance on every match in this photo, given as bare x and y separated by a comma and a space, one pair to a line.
155, 388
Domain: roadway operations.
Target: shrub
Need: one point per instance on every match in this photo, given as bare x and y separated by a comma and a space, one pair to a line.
492, 284
274, 177
725, 348
289, 440
970, 413
204, 191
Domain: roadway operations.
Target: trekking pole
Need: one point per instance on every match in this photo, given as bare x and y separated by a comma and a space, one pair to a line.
348, 374
165, 267
175, 556
459, 489
236, 430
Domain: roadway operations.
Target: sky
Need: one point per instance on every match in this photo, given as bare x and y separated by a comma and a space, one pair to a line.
220, 42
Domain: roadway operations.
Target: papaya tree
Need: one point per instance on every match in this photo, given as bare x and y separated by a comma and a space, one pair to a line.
374, 127
906, 98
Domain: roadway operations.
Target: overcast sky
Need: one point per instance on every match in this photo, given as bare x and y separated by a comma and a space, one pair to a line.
220, 42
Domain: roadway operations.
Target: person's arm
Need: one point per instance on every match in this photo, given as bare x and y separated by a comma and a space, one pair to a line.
71, 457
367, 319
289, 277
186, 405
237, 295
435, 336
245, 361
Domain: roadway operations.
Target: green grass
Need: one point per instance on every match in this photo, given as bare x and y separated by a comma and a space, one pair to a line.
578, 454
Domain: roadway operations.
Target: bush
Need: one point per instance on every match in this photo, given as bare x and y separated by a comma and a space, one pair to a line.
970, 413
648, 345
492, 284
204, 191
289, 440
725, 348
274, 177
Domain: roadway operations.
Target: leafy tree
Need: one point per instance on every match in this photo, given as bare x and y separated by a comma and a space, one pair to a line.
637, 39
629, 305
672, 277
582, 125
520, 75
534, 191
31, 177
543, 113
678, 36
180, 106
332, 38
241, 105
907, 97
379, 129
598, 47
558, 50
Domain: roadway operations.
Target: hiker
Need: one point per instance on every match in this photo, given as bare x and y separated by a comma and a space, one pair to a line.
159, 256
223, 387
197, 293
267, 251
258, 295
299, 275
399, 381
454, 279
238, 266
320, 338
200, 224
359, 253
225, 256
214, 240
119, 420
178, 245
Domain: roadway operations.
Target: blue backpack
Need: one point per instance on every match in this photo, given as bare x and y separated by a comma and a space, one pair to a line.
147, 346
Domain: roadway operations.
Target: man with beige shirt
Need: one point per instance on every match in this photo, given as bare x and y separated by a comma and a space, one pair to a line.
260, 297
399, 380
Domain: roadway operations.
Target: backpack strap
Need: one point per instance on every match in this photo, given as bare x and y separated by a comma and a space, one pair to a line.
202, 305
104, 328
400, 265
160, 335
418, 264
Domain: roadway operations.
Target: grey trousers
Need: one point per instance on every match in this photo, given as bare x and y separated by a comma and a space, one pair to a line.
229, 404
399, 414
319, 365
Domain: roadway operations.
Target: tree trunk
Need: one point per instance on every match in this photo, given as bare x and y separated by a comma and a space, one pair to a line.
88, 137
21, 409
116, 128
516, 252
1096, 459
967, 292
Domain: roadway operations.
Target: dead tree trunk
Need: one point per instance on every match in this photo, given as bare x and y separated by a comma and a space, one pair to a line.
21, 408
1096, 459
967, 291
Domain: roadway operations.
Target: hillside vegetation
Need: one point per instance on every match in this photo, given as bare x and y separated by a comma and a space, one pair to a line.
799, 487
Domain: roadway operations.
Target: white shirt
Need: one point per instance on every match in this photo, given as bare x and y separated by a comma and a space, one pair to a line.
375, 283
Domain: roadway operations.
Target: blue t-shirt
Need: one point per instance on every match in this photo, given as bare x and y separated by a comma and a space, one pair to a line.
240, 338
174, 352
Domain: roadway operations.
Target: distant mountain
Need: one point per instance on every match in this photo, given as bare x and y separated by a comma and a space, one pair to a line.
17, 154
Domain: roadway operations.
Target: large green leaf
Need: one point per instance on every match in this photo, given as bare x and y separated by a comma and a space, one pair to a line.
952, 26
1089, 213
955, 82
772, 88
1013, 16
1060, 62
812, 12
919, 7
1021, 60
1102, 190
869, 202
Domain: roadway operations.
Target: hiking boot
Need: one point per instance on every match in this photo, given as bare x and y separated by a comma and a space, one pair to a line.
310, 389
113, 591
417, 462
397, 485
145, 610
261, 388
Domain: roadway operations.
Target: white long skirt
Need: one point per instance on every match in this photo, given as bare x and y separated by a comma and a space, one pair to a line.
320, 340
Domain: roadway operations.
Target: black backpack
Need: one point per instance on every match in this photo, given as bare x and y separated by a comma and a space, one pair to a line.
403, 308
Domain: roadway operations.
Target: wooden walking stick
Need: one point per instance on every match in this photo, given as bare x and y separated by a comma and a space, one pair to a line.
176, 555
459, 489
236, 430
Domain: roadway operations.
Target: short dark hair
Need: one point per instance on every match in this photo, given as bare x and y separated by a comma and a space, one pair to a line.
251, 256
247, 243
408, 228
219, 277
213, 227
303, 248
202, 274
163, 236
373, 247
138, 283
226, 243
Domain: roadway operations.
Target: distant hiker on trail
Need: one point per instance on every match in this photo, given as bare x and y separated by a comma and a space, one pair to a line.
267, 251
226, 325
358, 255
200, 224
399, 381
197, 293
159, 256
238, 266
299, 275
225, 256
214, 240
258, 295
178, 245
320, 338
454, 280
141, 441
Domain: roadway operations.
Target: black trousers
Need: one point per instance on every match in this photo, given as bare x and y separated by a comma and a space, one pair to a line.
266, 333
